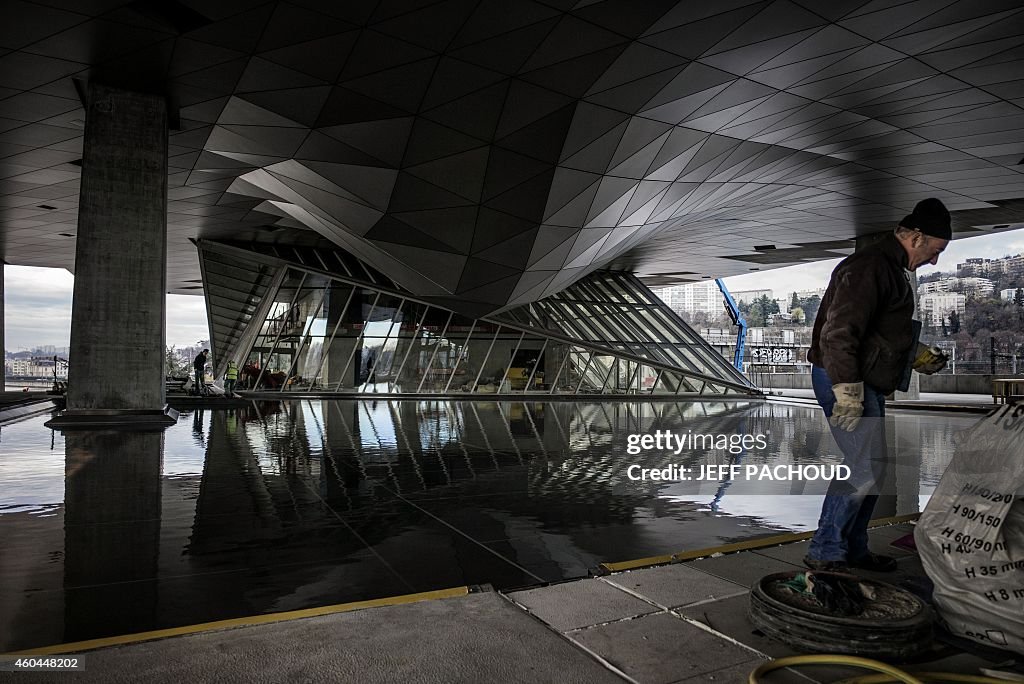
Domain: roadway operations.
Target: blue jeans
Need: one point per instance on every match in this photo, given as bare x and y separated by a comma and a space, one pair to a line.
843, 527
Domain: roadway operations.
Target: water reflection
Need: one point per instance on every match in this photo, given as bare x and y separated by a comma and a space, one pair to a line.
287, 505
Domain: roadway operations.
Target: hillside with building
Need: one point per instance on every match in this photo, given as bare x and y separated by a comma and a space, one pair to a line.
975, 314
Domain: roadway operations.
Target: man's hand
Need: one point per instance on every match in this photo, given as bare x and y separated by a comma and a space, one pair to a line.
929, 360
849, 405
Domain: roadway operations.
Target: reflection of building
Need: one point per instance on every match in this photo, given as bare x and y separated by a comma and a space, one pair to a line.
936, 306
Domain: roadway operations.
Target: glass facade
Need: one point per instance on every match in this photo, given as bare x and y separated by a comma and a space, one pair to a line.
320, 321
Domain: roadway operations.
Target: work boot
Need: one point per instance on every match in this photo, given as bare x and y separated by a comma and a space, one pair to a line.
874, 562
826, 565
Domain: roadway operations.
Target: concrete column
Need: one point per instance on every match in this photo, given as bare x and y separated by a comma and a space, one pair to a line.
344, 341
914, 391
117, 317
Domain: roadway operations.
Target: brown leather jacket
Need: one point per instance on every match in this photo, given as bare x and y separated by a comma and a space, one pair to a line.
863, 331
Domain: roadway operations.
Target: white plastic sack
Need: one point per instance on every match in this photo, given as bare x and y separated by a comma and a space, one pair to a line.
971, 533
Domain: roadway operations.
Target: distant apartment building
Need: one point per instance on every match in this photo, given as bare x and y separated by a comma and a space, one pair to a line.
693, 298
1008, 295
35, 367
974, 267
935, 307
1007, 265
971, 286
748, 296
807, 294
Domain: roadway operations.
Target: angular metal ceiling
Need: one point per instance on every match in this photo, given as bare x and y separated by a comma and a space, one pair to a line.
487, 153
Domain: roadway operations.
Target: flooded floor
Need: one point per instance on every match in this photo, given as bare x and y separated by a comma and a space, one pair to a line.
296, 504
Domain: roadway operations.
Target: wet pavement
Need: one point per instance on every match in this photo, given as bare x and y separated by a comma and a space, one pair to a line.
290, 505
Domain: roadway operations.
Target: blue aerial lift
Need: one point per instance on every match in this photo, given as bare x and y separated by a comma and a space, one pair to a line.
738, 321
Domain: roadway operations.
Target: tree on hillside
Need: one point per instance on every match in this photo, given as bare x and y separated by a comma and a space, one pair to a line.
954, 322
810, 305
174, 365
990, 314
757, 311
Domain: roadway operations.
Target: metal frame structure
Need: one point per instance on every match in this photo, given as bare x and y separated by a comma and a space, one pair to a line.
610, 334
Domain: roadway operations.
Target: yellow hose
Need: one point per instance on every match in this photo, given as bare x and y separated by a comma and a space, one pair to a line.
888, 672
927, 677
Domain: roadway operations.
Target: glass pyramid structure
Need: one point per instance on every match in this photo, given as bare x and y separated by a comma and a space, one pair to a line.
319, 320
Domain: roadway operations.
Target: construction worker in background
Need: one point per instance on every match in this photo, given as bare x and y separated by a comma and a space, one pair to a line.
230, 378
199, 366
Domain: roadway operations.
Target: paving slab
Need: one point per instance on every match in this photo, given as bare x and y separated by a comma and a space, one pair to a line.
675, 585
742, 568
662, 648
582, 603
729, 617
881, 538
789, 553
475, 638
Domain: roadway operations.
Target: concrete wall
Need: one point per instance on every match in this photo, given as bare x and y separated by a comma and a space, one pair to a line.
957, 384
945, 384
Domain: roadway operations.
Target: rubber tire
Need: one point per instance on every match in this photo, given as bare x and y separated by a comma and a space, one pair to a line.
893, 640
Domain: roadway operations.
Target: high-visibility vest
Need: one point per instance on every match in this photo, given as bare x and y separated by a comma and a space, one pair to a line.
232, 372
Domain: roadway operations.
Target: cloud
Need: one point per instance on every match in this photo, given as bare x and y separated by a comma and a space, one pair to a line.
186, 320
983, 246
37, 307
783, 281
38, 310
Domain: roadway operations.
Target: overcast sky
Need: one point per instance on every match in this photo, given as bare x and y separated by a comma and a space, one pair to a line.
38, 300
38, 310
816, 274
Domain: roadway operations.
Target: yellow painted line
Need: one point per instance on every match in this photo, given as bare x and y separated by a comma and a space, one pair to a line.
78, 646
748, 545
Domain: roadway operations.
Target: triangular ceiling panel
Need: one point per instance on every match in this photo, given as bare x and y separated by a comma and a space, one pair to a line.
462, 174
302, 105
453, 228
514, 252
385, 139
321, 58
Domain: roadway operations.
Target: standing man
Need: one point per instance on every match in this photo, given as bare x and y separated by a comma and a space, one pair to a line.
199, 366
230, 378
862, 346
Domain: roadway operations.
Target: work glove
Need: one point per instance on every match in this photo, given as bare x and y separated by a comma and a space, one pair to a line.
849, 405
929, 360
